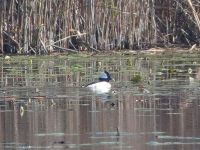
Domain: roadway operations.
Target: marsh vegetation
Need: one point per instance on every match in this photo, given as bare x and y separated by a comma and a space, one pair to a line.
45, 26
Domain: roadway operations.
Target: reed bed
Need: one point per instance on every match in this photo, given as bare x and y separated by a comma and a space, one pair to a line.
45, 26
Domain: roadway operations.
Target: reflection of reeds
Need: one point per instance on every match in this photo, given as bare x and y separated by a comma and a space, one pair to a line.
43, 26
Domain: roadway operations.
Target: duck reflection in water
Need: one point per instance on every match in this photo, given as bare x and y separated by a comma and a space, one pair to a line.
108, 101
102, 89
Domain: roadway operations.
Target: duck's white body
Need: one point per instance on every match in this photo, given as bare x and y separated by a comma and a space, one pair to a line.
101, 87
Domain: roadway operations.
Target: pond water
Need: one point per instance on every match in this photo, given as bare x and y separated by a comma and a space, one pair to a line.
154, 103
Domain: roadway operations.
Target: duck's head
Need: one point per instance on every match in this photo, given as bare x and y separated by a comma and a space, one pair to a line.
105, 76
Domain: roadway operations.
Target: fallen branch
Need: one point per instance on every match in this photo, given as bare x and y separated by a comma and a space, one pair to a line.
11, 39
94, 49
79, 34
43, 45
89, 47
67, 49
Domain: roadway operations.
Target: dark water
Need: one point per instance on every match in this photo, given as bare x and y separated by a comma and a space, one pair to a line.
44, 106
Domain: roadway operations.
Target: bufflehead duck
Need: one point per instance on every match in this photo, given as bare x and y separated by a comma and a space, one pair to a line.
102, 86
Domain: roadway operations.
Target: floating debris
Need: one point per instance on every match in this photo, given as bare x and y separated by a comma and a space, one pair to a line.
190, 70
7, 57
21, 111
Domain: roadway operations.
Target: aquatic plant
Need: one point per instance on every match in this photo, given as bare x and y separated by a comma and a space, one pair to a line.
136, 78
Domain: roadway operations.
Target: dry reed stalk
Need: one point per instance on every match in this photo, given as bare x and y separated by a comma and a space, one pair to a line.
194, 13
1, 28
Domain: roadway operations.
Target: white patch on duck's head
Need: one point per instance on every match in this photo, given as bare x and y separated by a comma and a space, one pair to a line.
105, 76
